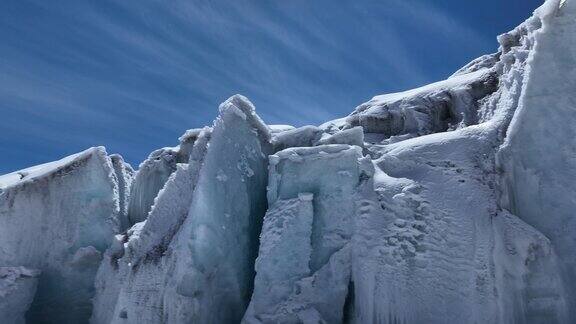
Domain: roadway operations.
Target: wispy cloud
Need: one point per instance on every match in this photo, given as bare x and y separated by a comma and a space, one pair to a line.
133, 75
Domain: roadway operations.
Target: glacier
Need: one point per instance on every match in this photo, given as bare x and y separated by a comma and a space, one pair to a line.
449, 203
192, 258
58, 218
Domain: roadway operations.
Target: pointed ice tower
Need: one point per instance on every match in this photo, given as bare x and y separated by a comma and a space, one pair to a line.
153, 173
192, 260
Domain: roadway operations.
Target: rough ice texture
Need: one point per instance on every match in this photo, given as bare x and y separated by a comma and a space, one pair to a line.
538, 157
306, 136
303, 267
58, 218
149, 240
149, 180
461, 210
430, 109
285, 251
433, 246
187, 143
280, 128
443, 250
352, 136
298, 137
154, 172
192, 260
124, 175
17, 289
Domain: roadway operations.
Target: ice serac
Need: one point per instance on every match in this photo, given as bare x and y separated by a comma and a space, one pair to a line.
434, 244
192, 260
303, 267
58, 218
434, 108
154, 172
220, 242
430, 248
352, 136
461, 210
149, 180
528, 271
296, 137
146, 243
538, 157
307, 136
17, 289
280, 128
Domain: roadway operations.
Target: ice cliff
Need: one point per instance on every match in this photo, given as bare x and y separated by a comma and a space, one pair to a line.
450, 203
58, 218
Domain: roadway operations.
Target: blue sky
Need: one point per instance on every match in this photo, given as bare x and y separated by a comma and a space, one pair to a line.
133, 75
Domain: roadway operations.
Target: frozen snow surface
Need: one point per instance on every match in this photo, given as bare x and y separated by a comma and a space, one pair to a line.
450, 203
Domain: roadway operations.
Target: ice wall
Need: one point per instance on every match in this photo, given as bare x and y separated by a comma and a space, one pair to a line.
297, 137
58, 218
154, 172
450, 203
537, 158
149, 180
192, 260
303, 267
434, 108
429, 248
124, 175
307, 136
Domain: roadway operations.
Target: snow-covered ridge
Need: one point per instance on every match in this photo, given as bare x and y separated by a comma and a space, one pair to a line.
452, 82
450, 203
